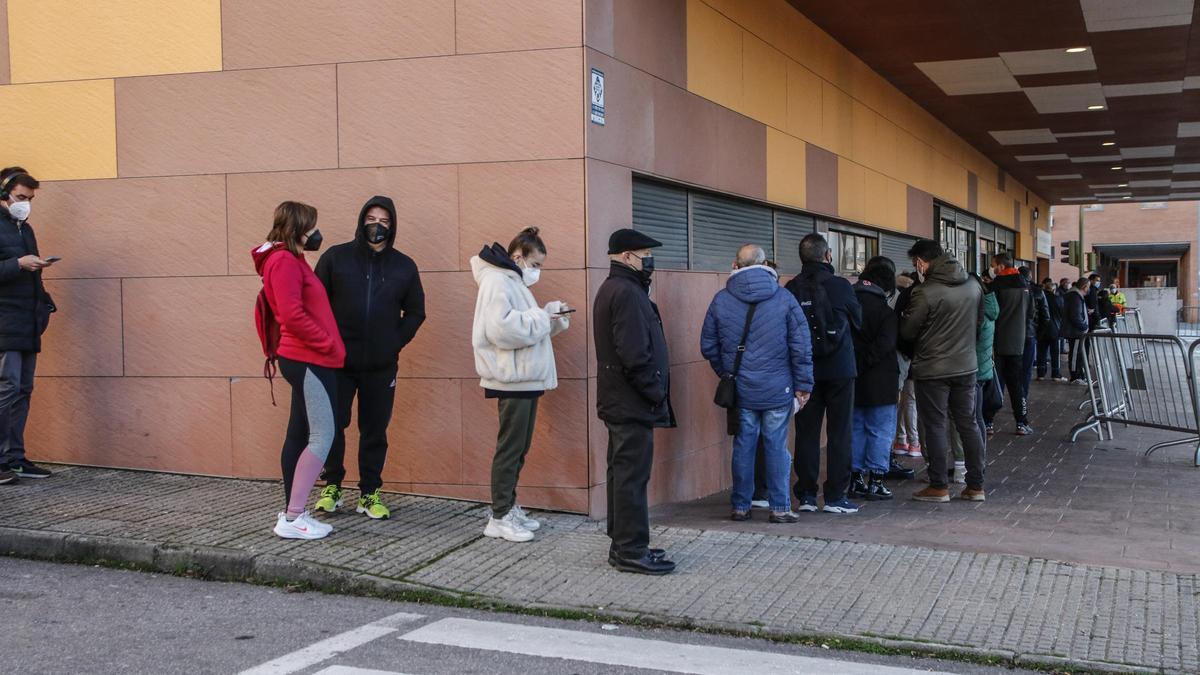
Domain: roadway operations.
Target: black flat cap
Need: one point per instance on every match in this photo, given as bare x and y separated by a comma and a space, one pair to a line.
630, 240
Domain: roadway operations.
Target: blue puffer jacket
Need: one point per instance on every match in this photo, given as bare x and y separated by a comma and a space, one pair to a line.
778, 359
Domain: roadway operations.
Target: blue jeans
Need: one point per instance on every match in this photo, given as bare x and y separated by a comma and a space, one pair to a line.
871, 441
772, 425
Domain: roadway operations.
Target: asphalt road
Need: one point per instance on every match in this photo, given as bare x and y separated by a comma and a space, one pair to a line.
79, 619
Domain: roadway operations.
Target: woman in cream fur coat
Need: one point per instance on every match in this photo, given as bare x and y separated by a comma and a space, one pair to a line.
515, 362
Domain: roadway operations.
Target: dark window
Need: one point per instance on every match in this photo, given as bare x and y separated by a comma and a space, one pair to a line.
721, 226
661, 211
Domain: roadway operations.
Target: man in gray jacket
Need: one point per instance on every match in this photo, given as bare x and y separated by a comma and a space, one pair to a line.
942, 321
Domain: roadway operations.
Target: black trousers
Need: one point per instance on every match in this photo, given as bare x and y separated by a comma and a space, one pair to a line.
518, 416
1012, 374
376, 391
941, 403
1075, 359
630, 456
1049, 358
833, 402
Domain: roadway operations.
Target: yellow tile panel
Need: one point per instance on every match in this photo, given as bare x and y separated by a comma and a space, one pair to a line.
67, 129
714, 58
786, 173
875, 198
862, 130
52, 40
852, 187
837, 120
765, 82
803, 103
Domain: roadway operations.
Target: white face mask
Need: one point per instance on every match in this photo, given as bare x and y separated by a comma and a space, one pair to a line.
19, 210
531, 275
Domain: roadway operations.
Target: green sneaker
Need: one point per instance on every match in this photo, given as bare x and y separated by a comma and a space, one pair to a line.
372, 505
331, 499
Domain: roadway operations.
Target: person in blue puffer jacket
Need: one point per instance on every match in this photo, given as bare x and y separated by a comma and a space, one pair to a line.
775, 377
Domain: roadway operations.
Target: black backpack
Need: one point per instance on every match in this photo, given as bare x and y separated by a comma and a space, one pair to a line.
828, 330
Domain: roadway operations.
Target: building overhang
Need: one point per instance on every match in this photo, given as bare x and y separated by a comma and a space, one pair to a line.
1147, 251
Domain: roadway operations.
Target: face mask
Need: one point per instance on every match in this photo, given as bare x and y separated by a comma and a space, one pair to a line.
531, 275
19, 210
377, 233
1096, 285
647, 266
314, 241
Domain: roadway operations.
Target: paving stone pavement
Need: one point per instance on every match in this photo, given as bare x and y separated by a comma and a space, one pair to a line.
1037, 574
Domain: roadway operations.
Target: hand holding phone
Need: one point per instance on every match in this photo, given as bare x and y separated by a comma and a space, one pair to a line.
564, 312
53, 259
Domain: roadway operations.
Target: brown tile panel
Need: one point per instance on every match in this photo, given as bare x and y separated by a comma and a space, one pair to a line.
652, 36
1143, 55
499, 200
252, 120
510, 25
442, 348
157, 423
426, 199
821, 176
426, 434
609, 207
5, 69
1057, 79
598, 25
627, 137
96, 239
529, 109
261, 33
683, 299
920, 213
972, 191
84, 336
191, 327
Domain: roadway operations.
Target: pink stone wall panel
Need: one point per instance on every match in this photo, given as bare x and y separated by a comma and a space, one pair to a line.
558, 457
234, 121
500, 200
426, 435
5, 68
426, 198
442, 347
627, 137
132, 227
821, 180
160, 424
701, 423
652, 36
598, 25
191, 327
258, 427
479, 108
510, 25
262, 33
702, 472
683, 299
570, 347
609, 207
84, 336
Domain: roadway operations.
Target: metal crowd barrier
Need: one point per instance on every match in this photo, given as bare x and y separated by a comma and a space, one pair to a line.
1144, 381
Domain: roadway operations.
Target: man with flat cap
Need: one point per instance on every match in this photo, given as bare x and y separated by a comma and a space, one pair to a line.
633, 396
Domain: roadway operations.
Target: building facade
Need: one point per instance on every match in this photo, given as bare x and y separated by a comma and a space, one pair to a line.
167, 132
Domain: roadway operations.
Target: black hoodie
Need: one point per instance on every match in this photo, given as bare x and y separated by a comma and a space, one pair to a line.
377, 298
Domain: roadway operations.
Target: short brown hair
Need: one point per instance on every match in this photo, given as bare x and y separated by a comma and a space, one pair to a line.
292, 221
527, 241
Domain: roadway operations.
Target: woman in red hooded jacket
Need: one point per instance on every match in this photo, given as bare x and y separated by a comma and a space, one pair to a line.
310, 350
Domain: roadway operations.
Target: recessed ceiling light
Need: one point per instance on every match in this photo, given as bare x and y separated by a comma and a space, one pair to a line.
1095, 107
1117, 168
1107, 143
1123, 185
1077, 50
1126, 197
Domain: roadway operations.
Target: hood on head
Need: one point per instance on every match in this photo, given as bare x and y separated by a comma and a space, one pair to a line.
263, 251
867, 286
753, 284
494, 257
360, 233
947, 270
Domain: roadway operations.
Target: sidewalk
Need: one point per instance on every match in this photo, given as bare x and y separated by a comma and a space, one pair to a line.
923, 594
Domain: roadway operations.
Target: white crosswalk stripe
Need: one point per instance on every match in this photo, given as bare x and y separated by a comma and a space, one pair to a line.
630, 652
328, 648
350, 670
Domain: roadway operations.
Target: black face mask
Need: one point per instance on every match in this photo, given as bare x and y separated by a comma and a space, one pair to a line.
377, 233
314, 241
647, 267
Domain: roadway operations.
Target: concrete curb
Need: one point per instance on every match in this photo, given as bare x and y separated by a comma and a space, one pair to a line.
226, 564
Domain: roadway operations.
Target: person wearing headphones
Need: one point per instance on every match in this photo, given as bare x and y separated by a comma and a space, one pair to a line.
25, 310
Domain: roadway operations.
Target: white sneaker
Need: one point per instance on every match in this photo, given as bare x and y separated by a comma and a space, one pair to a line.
960, 473
760, 504
300, 528
507, 528
524, 519
316, 524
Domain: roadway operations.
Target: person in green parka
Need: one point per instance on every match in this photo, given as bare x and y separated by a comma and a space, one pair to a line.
987, 371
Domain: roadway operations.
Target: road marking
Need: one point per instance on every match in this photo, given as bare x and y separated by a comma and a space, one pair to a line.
330, 647
631, 652
351, 670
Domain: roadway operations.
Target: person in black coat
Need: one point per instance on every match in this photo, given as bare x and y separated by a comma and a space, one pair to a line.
876, 389
1049, 355
633, 396
25, 310
832, 401
1093, 301
1075, 327
378, 302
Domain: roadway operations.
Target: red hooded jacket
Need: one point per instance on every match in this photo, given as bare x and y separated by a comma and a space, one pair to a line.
308, 332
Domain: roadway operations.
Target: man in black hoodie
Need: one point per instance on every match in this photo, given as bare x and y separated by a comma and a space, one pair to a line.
378, 302
1017, 315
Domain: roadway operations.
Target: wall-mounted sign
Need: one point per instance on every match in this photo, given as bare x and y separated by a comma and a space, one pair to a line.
597, 90
1044, 244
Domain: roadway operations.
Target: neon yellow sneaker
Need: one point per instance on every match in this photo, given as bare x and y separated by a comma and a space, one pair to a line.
331, 499
372, 505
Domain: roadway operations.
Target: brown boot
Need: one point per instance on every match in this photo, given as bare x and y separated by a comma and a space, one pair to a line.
972, 495
932, 494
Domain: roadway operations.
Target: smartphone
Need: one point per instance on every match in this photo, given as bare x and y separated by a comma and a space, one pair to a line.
53, 259
569, 311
